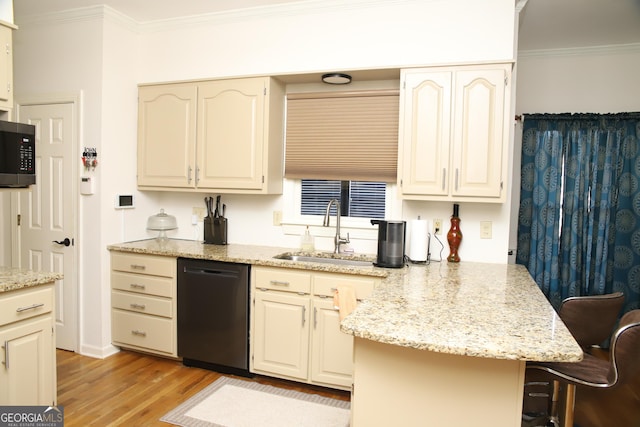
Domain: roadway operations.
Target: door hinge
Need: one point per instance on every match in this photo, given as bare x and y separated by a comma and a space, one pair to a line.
506, 81
19, 219
264, 91
263, 179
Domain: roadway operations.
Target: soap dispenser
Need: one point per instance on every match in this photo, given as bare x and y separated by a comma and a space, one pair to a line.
307, 242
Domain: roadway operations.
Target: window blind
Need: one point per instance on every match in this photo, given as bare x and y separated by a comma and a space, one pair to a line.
342, 135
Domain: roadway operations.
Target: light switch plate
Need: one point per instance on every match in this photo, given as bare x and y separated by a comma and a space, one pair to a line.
277, 217
485, 229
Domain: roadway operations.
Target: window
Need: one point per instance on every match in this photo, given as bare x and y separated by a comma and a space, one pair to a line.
342, 145
360, 199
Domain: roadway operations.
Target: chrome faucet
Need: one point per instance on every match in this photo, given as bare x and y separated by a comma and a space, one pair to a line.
337, 240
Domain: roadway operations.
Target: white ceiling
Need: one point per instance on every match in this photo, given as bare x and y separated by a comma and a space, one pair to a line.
544, 24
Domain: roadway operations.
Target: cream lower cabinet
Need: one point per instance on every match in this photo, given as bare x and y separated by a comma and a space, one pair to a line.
222, 136
454, 133
143, 303
296, 329
27, 337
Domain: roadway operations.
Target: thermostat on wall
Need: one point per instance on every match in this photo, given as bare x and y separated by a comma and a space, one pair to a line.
124, 201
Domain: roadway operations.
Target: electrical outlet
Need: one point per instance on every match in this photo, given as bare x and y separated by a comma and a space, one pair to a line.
277, 217
198, 212
437, 226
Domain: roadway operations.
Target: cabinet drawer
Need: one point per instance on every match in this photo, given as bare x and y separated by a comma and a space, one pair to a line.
144, 264
25, 303
326, 284
142, 304
141, 330
150, 285
282, 280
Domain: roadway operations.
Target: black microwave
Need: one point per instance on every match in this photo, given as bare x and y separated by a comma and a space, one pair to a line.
17, 154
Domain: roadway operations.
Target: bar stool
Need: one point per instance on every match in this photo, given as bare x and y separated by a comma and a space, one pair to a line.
591, 320
592, 371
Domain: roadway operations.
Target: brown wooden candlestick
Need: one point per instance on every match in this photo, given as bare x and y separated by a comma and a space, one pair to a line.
454, 236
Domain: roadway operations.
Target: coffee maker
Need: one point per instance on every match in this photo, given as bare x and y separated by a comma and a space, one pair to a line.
391, 243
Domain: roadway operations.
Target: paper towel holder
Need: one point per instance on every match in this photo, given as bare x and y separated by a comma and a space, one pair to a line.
419, 254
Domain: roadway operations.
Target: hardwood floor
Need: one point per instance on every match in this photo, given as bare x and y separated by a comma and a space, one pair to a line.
608, 408
133, 389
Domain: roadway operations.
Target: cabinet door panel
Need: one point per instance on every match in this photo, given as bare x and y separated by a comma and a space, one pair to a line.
6, 67
332, 350
26, 374
167, 135
425, 127
281, 339
478, 132
231, 133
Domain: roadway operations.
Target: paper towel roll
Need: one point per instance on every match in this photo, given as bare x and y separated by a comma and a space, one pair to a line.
419, 241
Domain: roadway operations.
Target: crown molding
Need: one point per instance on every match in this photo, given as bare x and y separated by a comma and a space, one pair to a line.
83, 14
260, 12
288, 9
582, 51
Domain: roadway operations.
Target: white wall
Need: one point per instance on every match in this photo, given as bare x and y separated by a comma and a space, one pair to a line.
600, 80
102, 55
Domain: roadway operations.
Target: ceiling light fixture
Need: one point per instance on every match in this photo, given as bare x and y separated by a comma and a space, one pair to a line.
336, 78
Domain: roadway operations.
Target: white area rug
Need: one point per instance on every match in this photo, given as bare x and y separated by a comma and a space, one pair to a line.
229, 402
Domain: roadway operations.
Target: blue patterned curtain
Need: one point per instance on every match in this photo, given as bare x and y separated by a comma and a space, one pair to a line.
579, 219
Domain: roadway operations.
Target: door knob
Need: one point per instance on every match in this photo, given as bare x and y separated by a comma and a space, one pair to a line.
65, 242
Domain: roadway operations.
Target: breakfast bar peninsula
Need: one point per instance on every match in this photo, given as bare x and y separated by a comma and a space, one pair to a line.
447, 344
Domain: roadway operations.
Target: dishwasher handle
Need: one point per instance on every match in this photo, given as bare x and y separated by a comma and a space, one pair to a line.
210, 272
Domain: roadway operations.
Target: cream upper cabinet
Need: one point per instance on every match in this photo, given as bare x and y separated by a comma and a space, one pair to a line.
454, 133
167, 135
6, 67
216, 136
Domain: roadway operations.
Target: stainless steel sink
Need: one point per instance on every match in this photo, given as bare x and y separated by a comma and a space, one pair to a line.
328, 259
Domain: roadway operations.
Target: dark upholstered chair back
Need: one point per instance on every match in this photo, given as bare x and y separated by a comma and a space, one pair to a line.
625, 349
591, 319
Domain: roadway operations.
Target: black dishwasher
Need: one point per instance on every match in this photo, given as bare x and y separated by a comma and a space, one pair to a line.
213, 315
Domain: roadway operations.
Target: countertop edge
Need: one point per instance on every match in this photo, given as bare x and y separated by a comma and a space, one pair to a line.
13, 279
378, 324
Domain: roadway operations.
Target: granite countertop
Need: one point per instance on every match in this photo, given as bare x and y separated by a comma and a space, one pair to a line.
242, 254
468, 309
12, 279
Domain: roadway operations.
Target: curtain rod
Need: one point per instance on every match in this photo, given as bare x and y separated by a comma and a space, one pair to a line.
574, 116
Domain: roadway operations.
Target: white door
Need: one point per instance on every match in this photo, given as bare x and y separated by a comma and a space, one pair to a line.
48, 213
